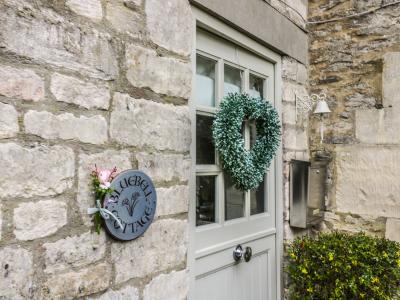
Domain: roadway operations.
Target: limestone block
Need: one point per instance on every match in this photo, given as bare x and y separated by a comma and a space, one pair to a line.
302, 73
47, 37
71, 90
43, 170
127, 293
141, 123
124, 19
172, 200
174, 32
393, 229
164, 167
78, 283
356, 223
167, 286
374, 187
163, 75
289, 114
74, 251
16, 273
106, 159
66, 126
40, 219
391, 80
289, 68
88, 8
8, 121
290, 90
289, 138
23, 84
378, 126
162, 246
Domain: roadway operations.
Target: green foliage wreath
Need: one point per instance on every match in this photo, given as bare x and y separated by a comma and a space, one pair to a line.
247, 167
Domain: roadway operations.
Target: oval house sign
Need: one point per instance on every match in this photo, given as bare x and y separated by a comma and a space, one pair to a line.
133, 201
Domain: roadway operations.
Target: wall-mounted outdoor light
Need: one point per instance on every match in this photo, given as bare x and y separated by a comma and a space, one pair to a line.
321, 109
306, 104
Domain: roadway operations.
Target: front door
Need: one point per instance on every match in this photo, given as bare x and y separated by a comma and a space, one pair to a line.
225, 217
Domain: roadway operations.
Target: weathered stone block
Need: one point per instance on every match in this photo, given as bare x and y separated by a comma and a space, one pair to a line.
163, 246
378, 126
356, 223
290, 90
123, 19
71, 90
289, 114
78, 283
391, 80
88, 8
163, 75
40, 219
106, 159
127, 293
164, 167
47, 37
20, 83
302, 74
172, 200
44, 171
8, 121
393, 229
289, 68
174, 32
16, 273
167, 286
374, 187
141, 123
66, 126
74, 251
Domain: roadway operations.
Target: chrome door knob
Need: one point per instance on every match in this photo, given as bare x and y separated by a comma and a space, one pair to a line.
238, 253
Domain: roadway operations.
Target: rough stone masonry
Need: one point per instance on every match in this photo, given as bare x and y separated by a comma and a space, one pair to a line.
84, 83
355, 61
103, 82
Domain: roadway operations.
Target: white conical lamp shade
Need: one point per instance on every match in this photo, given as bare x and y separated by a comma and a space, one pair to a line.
322, 107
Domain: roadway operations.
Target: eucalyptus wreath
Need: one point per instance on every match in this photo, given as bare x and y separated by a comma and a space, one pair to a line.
246, 167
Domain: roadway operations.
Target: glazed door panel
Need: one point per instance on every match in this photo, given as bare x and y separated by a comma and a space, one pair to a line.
225, 216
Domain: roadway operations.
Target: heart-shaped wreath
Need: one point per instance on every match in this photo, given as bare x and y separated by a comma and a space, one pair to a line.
247, 167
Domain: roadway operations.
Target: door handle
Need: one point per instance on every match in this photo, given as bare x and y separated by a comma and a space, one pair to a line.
248, 254
238, 253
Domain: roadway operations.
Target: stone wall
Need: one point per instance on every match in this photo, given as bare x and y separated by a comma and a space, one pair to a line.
355, 61
83, 83
104, 82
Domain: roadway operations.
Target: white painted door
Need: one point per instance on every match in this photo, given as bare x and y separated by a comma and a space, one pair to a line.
226, 217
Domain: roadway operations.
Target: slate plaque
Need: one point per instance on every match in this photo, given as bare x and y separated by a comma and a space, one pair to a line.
133, 201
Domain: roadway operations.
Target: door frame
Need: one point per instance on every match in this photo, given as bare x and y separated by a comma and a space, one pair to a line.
203, 20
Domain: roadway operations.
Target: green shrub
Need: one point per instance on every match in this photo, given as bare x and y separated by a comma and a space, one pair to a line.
343, 266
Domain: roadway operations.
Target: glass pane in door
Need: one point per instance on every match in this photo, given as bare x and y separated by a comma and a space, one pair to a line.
258, 195
205, 81
205, 151
234, 199
205, 200
232, 80
256, 86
